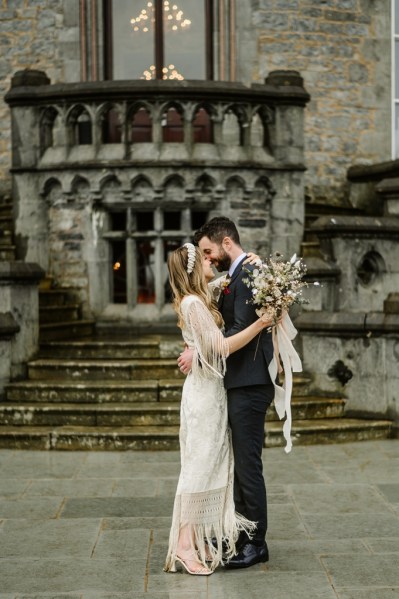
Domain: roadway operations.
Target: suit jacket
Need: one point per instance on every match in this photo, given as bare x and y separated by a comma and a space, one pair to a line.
249, 365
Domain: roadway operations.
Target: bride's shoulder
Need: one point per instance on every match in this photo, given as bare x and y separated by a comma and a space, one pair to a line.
188, 299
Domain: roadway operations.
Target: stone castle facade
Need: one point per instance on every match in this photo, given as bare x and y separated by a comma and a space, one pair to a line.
341, 48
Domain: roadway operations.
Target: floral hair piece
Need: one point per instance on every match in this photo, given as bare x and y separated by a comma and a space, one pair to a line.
191, 257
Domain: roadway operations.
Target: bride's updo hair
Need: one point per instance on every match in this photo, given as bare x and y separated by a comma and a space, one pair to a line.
183, 283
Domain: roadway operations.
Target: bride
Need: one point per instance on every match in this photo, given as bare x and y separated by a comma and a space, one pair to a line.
204, 505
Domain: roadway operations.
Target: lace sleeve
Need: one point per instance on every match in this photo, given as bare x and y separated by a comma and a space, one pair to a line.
210, 347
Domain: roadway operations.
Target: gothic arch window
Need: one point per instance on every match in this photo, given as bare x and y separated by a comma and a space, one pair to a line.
173, 125
111, 127
141, 126
48, 126
168, 39
79, 126
202, 126
232, 131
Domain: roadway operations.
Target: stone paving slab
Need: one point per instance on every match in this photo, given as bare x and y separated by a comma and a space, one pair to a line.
81, 525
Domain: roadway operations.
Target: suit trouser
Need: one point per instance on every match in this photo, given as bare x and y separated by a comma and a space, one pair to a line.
247, 409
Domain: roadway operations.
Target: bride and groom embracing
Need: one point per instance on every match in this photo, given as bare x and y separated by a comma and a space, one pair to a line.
220, 509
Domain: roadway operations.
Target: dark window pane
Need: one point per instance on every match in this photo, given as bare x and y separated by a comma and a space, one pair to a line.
83, 133
141, 127
172, 130
118, 220
119, 272
145, 221
198, 219
170, 245
111, 127
172, 221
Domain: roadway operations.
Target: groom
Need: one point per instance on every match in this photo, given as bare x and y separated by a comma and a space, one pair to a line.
249, 387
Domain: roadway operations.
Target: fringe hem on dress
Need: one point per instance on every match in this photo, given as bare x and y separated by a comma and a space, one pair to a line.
209, 515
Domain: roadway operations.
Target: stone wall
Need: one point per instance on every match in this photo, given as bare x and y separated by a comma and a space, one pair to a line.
38, 34
343, 51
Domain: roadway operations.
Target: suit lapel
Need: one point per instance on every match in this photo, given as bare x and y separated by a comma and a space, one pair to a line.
235, 274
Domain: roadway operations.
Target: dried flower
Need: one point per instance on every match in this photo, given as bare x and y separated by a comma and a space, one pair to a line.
276, 285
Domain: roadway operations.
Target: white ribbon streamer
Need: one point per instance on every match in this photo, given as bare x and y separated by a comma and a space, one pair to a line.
283, 333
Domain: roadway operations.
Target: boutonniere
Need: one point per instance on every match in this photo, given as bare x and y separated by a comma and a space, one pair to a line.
225, 286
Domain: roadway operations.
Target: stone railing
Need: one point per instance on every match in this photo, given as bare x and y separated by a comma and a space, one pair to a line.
141, 120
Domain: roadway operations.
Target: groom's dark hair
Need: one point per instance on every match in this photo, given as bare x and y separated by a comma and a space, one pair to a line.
217, 229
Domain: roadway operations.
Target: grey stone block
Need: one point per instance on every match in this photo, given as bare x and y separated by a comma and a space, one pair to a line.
125, 544
362, 571
71, 488
68, 576
50, 538
10, 487
349, 526
331, 498
120, 507
43, 507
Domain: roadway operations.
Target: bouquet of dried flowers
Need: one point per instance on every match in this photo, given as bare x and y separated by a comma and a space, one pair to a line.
276, 285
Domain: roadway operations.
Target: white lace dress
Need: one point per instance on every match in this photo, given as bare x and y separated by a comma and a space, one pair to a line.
204, 496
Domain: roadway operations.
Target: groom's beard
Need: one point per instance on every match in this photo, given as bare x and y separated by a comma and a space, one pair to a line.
223, 261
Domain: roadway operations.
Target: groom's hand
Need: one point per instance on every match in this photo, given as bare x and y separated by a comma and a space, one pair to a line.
185, 360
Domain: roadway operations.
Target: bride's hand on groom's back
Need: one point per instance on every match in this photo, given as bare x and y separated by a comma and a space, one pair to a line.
185, 360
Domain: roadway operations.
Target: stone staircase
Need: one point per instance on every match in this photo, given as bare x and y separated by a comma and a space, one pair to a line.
7, 247
125, 394
59, 314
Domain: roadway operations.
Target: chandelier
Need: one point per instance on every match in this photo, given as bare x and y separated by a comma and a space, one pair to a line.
169, 72
173, 18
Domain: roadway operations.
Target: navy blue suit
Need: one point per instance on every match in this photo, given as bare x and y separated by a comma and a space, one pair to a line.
249, 393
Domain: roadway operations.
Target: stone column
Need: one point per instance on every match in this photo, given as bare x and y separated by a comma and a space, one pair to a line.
20, 299
8, 329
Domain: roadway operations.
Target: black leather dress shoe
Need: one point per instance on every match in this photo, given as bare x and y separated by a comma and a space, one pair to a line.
249, 555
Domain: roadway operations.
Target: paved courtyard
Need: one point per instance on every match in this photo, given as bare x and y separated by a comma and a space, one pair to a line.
88, 525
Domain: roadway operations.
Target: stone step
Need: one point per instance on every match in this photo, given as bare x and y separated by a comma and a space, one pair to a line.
147, 412
115, 414
167, 437
6, 237
100, 392
7, 253
67, 330
90, 438
148, 347
55, 314
329, 430
6, 219
120, 370
53, 297
310, 248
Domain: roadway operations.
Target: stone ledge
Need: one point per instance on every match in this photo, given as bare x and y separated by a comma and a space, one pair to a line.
8, 326
348, 324
26, 91
20, 273
361, 226
317, 267
361, 173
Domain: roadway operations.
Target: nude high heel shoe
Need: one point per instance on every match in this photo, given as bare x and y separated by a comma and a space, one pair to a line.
201, 571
